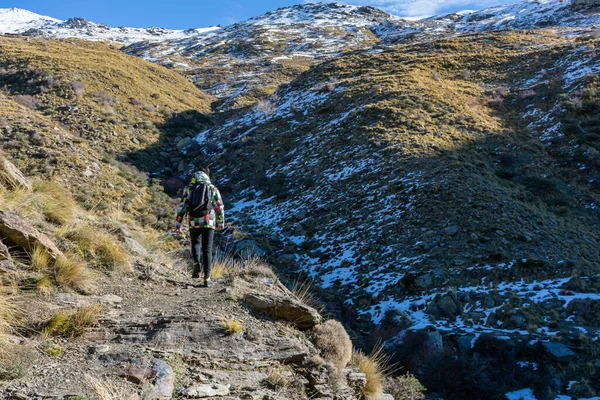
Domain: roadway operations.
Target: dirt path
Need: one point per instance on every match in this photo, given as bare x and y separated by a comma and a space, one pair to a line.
165, 316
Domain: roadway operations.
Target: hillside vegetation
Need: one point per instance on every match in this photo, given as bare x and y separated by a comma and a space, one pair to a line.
95, 296
436, 181
73, 110
415, 180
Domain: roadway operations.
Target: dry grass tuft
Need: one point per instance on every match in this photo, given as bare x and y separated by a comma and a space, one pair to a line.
374, 367
56, 203
278, 377
74, 324
44, 285
255, 266
97, 246
334, 343
72, 272
8, 310
232, 326
105, 390
303, 291
40, 259
221, 265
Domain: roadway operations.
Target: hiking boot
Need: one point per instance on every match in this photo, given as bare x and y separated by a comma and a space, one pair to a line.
196, 273
208, 283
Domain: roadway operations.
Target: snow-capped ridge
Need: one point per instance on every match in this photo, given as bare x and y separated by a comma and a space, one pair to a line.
18, 21
528, 14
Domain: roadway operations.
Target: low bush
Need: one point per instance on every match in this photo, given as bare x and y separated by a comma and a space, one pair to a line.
232, 326
334, 343
27, 101
407, 387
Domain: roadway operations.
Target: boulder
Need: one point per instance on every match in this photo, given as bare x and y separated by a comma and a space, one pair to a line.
10, 176
207, 390
464, 343
18, 232
6, 262
289, 309
135, 247
247, 248
357, 381
559, 351
157, 372
434, 341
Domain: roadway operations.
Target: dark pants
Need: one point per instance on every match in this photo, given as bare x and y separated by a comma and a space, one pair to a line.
207, 235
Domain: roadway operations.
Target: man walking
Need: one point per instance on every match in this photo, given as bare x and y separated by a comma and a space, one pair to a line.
203, 204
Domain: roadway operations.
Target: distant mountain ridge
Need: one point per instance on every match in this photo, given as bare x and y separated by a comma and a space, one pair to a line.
18, 21
528, 14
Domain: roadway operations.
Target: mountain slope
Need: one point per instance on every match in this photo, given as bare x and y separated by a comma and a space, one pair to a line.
410, 185
248, 60
528, 14
17, 21
82, 104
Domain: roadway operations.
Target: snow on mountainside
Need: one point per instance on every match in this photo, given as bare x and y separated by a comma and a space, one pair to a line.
524, 15
253, 57
17, 21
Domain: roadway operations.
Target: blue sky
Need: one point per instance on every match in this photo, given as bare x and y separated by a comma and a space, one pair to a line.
183, 14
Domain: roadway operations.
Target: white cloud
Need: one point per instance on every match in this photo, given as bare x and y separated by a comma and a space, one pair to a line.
423, 8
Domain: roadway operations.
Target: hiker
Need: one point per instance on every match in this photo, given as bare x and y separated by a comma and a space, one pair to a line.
202, 202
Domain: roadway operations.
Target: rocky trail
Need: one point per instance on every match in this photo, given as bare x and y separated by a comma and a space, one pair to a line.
161, 335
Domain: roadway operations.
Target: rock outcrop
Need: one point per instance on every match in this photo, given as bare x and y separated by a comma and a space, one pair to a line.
559, 351
10, 176
6, 262
300, 315
18, 232
158, 373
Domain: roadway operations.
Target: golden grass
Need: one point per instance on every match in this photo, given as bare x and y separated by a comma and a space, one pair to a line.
105, 75
23, 202
278, 377
40, 259
303, 291
46, 201
72, 272
44, 285
73, 324
53, 350
255, 266
96, 245
56, 203
8, 310
232, 326
222, 264
104, 390
374, 366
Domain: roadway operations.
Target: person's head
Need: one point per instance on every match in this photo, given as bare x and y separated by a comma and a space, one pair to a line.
203, 173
